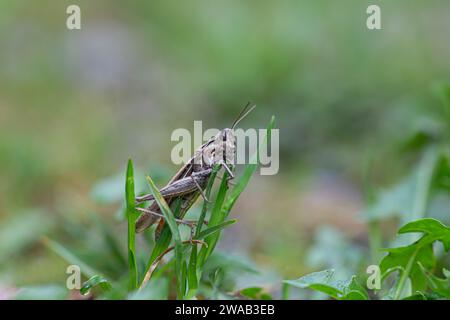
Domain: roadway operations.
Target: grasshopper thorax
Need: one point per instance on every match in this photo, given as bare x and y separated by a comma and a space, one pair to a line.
219, 149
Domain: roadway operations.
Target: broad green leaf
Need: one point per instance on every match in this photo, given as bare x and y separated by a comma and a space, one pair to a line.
432, 228
354, 291
323, 281
93, 282
320, 281
256, 293
406, 258
131, 219
438, 285
424, 296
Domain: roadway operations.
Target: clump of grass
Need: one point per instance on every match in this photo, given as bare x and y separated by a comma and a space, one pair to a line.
189, 259
151, 278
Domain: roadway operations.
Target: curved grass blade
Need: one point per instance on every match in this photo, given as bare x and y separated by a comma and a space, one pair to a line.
170, 219
95, 281
71, 258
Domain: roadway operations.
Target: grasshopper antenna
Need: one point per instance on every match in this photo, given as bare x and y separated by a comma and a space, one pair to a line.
247, 109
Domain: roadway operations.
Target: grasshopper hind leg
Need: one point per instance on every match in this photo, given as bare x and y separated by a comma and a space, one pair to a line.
145, 221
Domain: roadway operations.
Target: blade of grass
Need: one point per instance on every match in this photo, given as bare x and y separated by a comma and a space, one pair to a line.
71, 258
192, 266
208, 189
192, 273
164, 239
111, 241
155, 263
214, 219
224, 207
184, 283
170, 220
214, 229
248, 172
131, 218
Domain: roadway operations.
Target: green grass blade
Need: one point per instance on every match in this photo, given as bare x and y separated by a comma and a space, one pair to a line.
208, 189
214, 229
131, 218
111, 241
224, 206
164, 238
214, 220
248, 172
71, 258
192, 271
184, 274
170, 220
192, 266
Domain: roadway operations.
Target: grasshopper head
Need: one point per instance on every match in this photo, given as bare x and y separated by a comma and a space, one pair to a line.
222, 147
227, 149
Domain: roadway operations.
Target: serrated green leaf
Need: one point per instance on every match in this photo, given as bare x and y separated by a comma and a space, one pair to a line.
323, 281
355, 291
432, 228
407, 258
438, 285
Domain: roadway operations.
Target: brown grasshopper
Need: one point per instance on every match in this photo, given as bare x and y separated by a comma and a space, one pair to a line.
190, 181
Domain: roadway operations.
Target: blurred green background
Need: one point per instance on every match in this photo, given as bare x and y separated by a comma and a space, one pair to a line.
75, 105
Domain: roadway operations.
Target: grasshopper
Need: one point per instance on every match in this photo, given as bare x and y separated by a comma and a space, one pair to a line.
191, 180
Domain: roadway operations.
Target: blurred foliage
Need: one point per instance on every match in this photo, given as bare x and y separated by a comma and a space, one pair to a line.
369, 109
